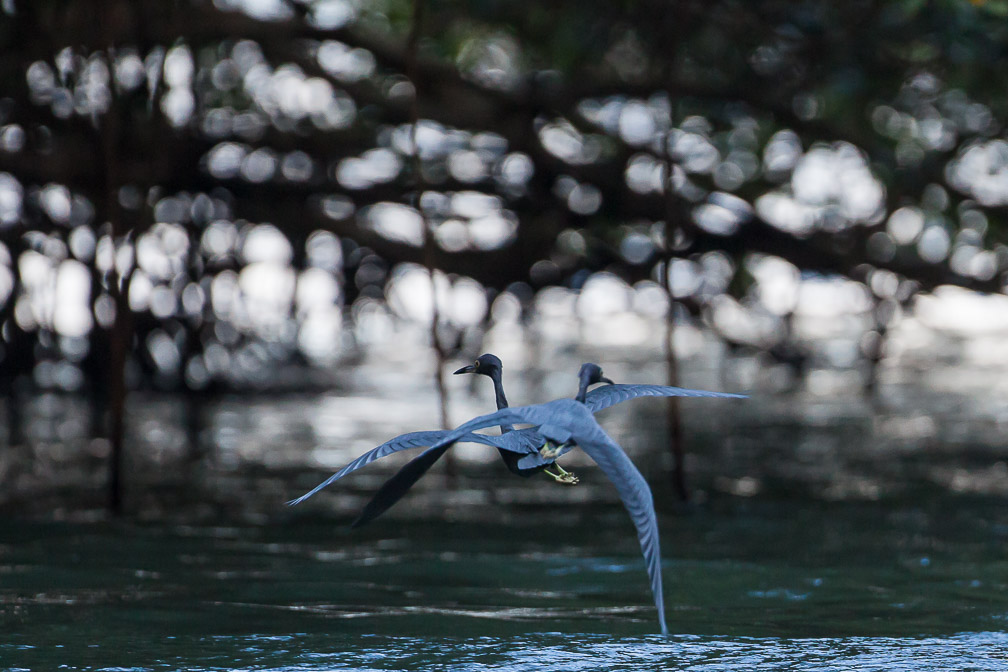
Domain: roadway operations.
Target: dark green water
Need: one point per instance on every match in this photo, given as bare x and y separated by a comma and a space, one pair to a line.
826, 533
751, 584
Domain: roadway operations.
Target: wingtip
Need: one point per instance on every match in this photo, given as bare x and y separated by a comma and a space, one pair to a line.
729, 395
367, 515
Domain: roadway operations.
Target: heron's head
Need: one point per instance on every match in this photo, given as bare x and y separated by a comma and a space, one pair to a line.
591, 374
487, 364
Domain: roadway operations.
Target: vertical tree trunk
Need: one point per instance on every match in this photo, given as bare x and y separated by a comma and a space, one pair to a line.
674, 417
121, 334
119, 345
18, 355
428, 237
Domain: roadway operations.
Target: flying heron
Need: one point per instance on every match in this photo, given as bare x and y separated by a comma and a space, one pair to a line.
563, 423
491, 366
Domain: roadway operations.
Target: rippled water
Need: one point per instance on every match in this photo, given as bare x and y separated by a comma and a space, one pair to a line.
571, 653
753, 584
827, 531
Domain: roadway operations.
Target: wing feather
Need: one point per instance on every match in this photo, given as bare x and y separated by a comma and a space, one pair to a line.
536, 414
637, 499
609, 395
518, 441
401, 442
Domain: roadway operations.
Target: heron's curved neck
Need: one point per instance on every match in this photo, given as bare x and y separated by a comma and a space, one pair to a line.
499, 397
582, 390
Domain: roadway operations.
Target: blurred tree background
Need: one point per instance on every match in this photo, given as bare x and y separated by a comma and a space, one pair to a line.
208, 195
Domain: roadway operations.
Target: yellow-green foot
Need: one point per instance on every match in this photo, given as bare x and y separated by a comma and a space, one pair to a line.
561, 476
550, 451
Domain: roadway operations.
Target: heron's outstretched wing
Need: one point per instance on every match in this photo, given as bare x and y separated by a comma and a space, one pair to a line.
526, 441
609, 395
536, 414
636, 496
394, 488
401, 442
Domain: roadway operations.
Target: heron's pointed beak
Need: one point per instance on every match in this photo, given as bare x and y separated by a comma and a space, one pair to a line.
465, 369
605, 380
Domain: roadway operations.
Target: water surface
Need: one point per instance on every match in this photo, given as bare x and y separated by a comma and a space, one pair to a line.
826, 531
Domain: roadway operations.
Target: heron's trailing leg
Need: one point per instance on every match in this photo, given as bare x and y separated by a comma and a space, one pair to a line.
550, 451
561, 476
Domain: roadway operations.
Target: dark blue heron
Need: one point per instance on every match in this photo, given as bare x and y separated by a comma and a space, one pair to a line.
564, 423
491, 366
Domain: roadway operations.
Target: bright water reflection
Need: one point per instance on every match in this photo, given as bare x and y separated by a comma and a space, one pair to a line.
977, 652
574, 653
